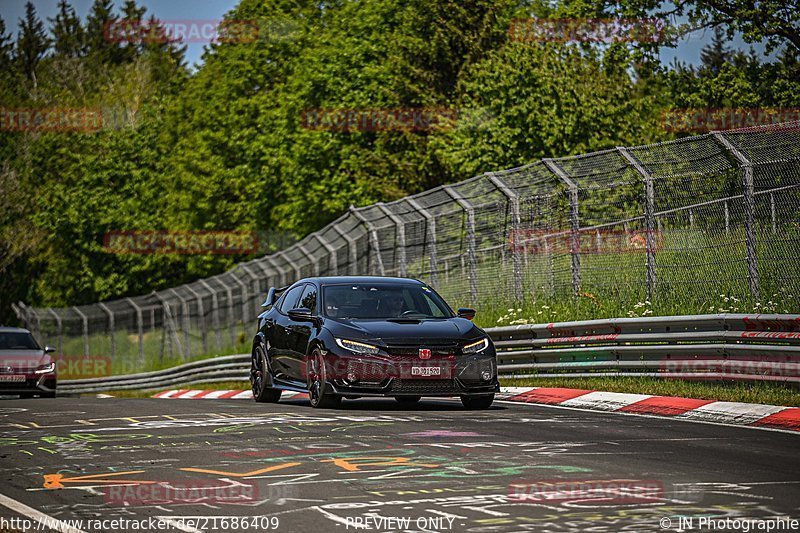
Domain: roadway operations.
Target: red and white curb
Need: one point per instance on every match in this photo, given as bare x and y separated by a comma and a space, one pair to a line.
187, 394
731, 413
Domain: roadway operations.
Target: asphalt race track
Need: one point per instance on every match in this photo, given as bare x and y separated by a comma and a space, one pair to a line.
375, 463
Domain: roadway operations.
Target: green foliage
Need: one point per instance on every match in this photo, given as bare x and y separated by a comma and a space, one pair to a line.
225, 147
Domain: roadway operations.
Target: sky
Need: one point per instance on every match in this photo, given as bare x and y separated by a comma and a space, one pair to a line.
688, 51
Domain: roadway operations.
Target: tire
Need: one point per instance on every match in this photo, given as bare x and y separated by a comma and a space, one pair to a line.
408, 399
317, 378
258, 372
477, 402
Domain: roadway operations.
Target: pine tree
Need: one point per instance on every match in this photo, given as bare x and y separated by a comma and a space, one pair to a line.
716, 54
102, 33
6, 48
68, 34
32, 43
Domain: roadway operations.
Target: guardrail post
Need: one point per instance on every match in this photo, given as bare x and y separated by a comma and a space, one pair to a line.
749, 212
400, 236
650, 219
471, 244
333, 260
139, 326
85, 331
575, 246
351, 246
214, 312
373, 236
60, 329
187, 351
431, 223
516, 223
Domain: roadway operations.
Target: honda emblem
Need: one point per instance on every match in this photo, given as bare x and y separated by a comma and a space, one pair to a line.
424, 353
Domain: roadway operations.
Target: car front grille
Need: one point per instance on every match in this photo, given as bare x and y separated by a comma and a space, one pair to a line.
424, 386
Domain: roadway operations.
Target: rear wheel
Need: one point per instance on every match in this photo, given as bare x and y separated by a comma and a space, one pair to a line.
317, 379
408, 399
477, 402
259, 370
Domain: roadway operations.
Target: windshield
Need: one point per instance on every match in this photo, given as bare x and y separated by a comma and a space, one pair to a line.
17, 340
383, 301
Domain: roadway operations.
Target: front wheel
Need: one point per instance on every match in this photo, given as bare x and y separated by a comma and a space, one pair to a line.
259, 370
477, 402
317, 379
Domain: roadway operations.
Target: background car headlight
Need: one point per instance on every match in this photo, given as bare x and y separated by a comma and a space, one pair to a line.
475, 347
46, 369
357, 347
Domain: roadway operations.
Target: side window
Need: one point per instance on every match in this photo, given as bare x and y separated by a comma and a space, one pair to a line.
309, 298
289, 301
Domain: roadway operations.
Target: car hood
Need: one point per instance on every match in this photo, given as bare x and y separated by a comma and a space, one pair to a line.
22, 360
410, 332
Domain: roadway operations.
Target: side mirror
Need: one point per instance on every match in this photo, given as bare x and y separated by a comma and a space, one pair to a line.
49, 349
466, 312
301, 315
270, 298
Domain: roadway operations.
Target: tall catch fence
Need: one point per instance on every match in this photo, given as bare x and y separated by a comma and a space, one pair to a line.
679, 221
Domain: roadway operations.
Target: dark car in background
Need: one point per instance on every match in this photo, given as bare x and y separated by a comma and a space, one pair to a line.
26, 368
348, 337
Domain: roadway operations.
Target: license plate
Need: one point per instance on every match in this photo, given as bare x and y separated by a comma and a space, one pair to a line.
426, 371
11, 378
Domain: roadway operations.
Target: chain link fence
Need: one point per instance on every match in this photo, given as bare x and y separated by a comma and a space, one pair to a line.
676, 224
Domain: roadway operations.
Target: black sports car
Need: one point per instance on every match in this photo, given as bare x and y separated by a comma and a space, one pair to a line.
336, 337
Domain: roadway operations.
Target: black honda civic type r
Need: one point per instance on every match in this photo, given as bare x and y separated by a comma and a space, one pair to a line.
348, 337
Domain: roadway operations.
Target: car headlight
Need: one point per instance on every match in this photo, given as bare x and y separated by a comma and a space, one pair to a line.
357, 347
46, 369
475, 347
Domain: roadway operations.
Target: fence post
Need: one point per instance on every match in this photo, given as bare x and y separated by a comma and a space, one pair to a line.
281, 271
311, 259
471, 244
85, 331
516, 222
574, 222
333, 260
352, 247
431, 223
748, 198
400, 235
202, 317
187, 350
139, 326
168, 325
373, 236
214, 312
650, 219
245, 297
297, 274
60, 329
253, 279
111, 328
231, 318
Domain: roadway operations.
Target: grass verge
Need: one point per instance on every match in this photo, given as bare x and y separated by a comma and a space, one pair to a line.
735, 391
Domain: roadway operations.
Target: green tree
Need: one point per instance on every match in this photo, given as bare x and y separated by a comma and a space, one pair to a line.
68, 35
32, 43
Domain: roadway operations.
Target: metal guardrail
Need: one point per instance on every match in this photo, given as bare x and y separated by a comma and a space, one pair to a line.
711, 347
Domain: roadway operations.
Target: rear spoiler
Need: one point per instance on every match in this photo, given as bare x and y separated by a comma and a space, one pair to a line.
272, 295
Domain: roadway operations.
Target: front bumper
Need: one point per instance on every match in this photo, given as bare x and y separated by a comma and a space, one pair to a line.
394, 376
32, 384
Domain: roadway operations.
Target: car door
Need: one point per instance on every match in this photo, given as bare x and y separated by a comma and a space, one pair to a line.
300, 333
280, 349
